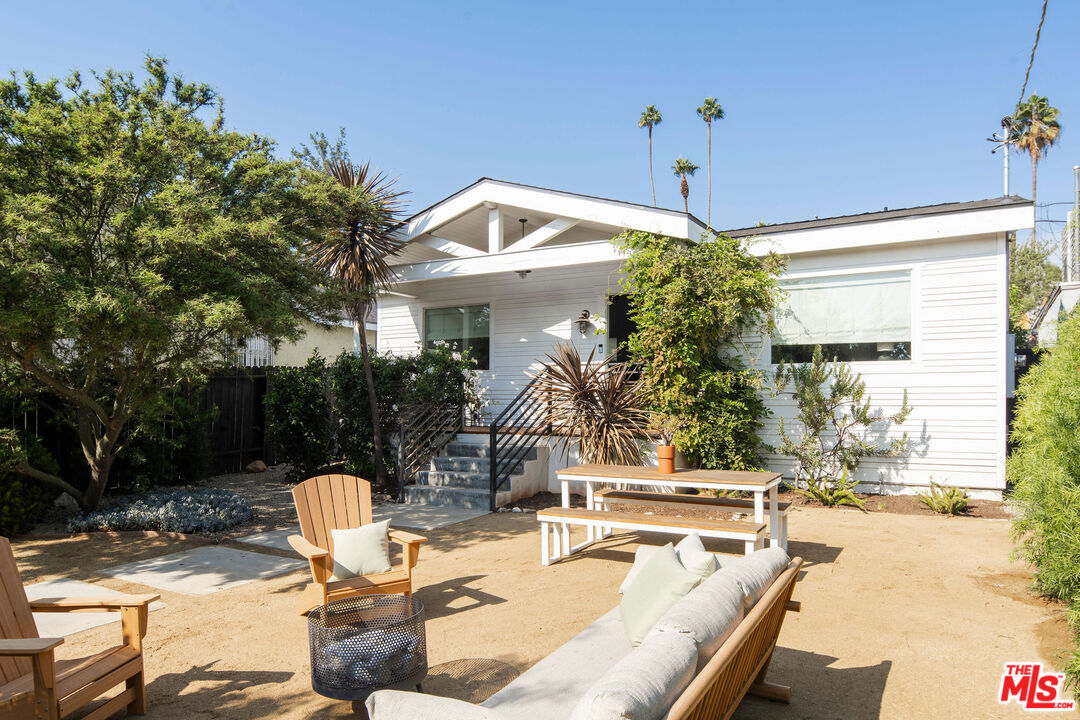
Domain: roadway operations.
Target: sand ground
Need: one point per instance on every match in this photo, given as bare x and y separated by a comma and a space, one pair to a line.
904, 616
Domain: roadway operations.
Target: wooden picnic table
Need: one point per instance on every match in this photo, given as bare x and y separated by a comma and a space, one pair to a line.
757, 482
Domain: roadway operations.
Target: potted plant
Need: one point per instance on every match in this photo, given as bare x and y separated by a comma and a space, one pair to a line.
666, 427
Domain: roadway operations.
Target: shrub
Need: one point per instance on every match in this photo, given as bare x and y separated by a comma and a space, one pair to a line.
945, 500
1045, 472
181, 510
298, 416
836, 427
23, 501
689, 300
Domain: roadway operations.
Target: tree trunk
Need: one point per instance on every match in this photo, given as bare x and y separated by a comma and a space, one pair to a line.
708, 206
100, 467
651, 183
684, 188
1034, 207
373, 402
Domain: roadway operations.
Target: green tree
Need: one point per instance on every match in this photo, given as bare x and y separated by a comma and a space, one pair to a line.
1035, 129
137, 237
650, 118
692, 302
682, 168
353, 250
710, 110
1032, 277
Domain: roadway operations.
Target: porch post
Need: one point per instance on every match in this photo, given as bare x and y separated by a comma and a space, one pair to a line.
495, 228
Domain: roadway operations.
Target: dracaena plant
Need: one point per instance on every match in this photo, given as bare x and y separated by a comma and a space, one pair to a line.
598, 403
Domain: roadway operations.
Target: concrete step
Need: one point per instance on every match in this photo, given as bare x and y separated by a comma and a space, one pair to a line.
463, 464
470, 498
442, 478
478, 450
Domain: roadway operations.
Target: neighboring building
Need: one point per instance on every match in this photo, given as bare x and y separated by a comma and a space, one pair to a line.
915, 298
1060, 303
330, 340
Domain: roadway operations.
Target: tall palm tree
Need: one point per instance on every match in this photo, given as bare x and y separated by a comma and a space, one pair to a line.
650, 118
682, 168
354, 252
1036, 128
710, 110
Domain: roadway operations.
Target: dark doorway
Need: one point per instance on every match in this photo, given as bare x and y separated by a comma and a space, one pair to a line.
620, 326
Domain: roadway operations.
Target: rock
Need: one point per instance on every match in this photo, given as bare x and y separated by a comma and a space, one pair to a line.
255, 466
503, 510
66, 502
517, 510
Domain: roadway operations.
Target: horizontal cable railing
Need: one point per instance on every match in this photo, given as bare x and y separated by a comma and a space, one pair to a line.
514, 433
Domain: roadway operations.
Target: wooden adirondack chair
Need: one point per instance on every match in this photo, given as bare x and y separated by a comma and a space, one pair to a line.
337, 502
35, 685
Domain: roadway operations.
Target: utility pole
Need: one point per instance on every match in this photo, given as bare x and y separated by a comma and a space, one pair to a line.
1069, 262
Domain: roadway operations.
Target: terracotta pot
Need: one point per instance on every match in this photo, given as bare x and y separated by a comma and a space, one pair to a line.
665, 454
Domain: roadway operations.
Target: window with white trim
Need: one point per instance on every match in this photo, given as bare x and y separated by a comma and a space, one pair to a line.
462, 328
854, 318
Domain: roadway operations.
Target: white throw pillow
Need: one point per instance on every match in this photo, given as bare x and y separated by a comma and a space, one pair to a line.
400, 705
691, 553
361, 551
644, 684
662, 582
708, 615
755, 572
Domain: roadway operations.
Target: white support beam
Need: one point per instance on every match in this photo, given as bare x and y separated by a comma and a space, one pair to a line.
495, 229
450, 247
541, 235
536, 259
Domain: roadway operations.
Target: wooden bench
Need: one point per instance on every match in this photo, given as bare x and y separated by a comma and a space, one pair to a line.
557, 520
608, 497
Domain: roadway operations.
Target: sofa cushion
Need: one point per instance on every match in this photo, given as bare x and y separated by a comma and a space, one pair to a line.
572, 668
644, 684
690, 551
661, 583
755, 572
399, 705
708, 615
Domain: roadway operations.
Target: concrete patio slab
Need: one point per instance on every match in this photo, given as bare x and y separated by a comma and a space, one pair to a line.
413, 517
205, 570
64, 624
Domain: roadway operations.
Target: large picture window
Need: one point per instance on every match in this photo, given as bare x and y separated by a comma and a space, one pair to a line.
462, 328
854, 318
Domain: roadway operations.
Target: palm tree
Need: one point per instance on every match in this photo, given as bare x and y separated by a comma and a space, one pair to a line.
650, 118
682, 168
366, 206
1035, 129
710, 110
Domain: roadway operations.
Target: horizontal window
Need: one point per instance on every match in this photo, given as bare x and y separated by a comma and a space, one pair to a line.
852, 317
461, 328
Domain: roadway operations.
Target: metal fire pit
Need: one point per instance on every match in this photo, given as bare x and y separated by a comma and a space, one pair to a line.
367, 643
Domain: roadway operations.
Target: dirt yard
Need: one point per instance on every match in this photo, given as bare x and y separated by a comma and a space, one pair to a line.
904, 616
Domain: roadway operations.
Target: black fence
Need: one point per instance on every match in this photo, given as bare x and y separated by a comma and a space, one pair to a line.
238, 430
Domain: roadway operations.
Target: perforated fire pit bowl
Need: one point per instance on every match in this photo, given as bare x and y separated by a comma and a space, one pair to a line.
367, 643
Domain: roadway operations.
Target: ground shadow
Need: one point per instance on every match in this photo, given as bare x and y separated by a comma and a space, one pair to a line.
471, 680
813, 553
201, 687
446, 598
819, 690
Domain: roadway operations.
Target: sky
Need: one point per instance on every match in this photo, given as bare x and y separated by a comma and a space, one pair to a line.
831, 108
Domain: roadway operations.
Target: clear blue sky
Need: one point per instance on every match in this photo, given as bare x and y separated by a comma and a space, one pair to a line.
832, 108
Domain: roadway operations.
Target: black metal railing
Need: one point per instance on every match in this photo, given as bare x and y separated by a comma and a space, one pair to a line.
514, 432
423, 431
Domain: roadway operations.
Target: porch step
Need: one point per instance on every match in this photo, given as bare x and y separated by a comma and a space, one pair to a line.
435, 478
470, 498
467, 450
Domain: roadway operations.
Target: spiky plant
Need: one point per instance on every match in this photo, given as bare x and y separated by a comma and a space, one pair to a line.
945, 500
831, 492
710, 110
682, 168
650, 118
353, 252
598, 403
1036, 129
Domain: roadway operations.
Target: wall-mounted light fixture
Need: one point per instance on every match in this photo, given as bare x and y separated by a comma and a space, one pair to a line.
523, 273
583, 321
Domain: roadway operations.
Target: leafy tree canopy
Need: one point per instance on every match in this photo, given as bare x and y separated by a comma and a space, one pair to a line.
1032, 277
138, 237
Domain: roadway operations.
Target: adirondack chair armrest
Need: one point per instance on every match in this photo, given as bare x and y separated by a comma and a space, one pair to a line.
92, 604
23, 647
406, 538
307, 549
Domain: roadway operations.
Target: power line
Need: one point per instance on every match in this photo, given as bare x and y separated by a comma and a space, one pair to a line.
1031, 60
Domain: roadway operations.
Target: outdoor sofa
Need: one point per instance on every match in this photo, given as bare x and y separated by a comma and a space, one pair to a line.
698, 661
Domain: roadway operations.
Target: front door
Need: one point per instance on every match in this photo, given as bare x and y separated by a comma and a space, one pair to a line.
620, 326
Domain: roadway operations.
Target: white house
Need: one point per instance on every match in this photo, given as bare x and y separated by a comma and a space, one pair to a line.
916, 298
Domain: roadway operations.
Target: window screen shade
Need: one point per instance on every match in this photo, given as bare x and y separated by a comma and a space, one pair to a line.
845, 309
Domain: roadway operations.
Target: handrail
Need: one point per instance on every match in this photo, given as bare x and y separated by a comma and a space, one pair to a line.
423, 431
513, 433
